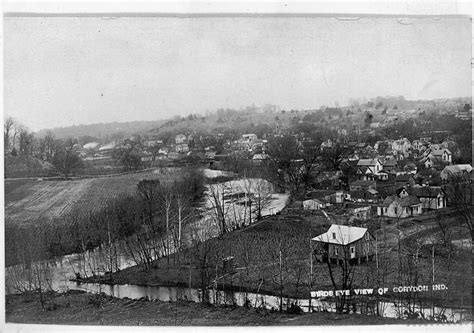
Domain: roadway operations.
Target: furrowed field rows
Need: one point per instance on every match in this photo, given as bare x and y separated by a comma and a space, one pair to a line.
52, 200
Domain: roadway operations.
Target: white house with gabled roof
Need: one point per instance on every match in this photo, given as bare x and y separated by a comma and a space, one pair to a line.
345, 243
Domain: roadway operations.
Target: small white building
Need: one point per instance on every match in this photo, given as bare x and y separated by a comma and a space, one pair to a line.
360, 213
373, 165
402, 145
342, 243
173, 155
182, 148
431, 197
438, 156
249, 137
180, 139
314, 204
395, 206
91, 145
444, 154
210, 155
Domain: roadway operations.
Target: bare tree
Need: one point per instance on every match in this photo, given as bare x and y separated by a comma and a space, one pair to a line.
310, 169
184, 215
286, 161
148, 190
219, 208
66, 160
261, 193
26, 142
166, 200
47, 146
335, 155
7, 131
280, 247
459, 192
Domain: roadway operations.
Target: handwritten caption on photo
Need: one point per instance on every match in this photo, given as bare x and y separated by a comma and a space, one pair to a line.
379, 291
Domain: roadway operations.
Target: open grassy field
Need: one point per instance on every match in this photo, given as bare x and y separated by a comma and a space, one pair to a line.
29, 200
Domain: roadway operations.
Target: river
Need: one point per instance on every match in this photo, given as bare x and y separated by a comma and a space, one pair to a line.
56, 273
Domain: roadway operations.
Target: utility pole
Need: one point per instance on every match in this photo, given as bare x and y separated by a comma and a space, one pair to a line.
310, 273
433, 280
376, 256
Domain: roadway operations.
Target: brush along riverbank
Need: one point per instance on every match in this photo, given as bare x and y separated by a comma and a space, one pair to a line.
80, 308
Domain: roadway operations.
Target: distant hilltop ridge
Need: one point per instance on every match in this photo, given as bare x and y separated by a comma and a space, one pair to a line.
102, 130
230, 118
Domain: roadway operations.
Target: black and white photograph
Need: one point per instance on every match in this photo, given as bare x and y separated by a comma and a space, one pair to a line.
237, 169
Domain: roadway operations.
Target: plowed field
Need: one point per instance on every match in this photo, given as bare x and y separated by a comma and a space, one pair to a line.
27, 201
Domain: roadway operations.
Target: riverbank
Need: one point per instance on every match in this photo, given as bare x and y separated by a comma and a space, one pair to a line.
252, 268
255, 266
80, 308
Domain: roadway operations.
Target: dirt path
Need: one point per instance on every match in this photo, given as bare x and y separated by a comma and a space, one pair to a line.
409, 227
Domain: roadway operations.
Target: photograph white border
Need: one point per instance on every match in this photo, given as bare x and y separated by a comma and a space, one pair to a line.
218, 8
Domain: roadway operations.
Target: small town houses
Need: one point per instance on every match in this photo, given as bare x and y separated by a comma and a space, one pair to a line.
420, 145
344, 243
437, 157
401, 146
400, 207
431, 197
412, 200
381, 180
181, 139
368, 169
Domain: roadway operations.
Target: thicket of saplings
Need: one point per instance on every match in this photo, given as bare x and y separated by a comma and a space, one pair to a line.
118, 219
275, 258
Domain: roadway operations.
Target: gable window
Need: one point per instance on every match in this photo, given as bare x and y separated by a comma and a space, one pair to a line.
367, 236
333, 235
395, 210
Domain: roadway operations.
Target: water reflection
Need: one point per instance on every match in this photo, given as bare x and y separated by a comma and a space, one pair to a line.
269, 302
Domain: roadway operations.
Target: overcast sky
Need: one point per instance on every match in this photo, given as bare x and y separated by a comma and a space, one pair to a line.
62, 71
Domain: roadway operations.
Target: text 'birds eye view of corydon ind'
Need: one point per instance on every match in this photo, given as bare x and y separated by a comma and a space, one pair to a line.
286, 217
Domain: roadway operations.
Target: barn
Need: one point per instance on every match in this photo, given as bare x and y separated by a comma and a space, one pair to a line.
345, 243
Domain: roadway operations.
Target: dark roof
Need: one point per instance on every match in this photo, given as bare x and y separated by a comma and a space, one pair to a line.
363, 183
404, 202
425, 191
320, 194
403, 178
352, 163
389, 162
440, 152
367, 161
